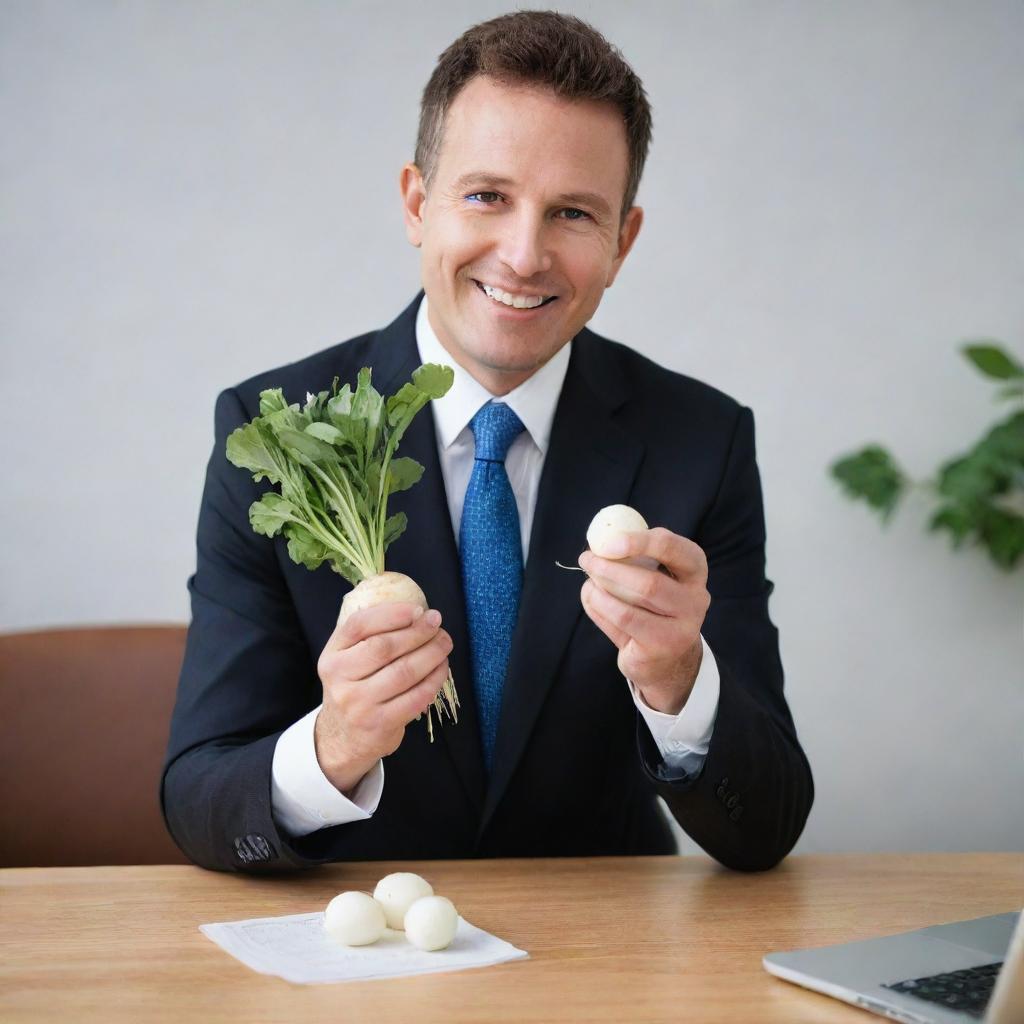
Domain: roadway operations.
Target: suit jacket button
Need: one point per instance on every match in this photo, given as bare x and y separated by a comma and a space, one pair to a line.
732, 801
253, 848
720, 792
736, 813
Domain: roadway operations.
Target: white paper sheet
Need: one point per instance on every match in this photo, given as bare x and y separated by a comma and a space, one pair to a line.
298, 949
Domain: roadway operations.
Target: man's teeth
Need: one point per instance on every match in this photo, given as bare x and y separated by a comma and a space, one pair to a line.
518, 301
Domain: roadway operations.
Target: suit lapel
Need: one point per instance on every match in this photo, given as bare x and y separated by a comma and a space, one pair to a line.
591, 462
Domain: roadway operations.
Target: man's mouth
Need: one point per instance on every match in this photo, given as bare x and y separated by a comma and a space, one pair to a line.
514, 301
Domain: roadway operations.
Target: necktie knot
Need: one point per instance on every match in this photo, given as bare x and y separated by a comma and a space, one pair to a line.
494, 428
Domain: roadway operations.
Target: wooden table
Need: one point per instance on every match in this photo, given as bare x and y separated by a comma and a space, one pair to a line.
623, 940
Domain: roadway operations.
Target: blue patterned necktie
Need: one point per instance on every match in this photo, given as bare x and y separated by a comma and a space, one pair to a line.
491, 552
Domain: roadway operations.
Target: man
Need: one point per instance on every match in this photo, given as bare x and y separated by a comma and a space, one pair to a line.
579, 706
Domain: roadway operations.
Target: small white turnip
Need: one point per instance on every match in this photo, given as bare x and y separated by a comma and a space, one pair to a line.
399, 891
387, 588
397, 588
431, 923
611, 522
354, 918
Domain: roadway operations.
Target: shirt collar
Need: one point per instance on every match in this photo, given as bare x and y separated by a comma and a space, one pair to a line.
534, 401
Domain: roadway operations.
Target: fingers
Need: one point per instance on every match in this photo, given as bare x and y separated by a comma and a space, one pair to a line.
406, 706
616, 635
651, 631
368, 656
379, 670
369, 621
634, 584
407, 672
678, 554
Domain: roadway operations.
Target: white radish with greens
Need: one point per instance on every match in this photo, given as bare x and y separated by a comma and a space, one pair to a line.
334, 460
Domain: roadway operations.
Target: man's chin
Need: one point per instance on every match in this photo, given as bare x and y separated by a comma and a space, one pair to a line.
500, 360
510, 347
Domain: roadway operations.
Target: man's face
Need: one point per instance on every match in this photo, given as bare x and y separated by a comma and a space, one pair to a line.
525, 200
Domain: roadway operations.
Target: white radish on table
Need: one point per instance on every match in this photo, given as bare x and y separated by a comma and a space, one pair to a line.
431, 923
397, 892
401, 901
355, 919
335, 463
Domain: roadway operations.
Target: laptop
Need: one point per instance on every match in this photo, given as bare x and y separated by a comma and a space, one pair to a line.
956, 973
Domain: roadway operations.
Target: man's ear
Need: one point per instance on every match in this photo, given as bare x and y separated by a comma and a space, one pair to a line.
627, 236
414, 194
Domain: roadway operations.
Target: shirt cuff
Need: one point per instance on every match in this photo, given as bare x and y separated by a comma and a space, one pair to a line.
683, 739
302, 798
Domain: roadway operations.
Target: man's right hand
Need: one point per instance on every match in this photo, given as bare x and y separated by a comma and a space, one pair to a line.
379, 670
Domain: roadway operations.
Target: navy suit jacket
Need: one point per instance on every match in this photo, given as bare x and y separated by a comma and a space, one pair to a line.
576, 771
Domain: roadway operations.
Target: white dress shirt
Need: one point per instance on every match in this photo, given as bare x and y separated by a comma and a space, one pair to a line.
303, 800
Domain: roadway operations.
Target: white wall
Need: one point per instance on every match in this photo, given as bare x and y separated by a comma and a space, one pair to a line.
193, 192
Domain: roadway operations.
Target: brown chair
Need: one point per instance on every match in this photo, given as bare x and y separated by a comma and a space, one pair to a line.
84, 717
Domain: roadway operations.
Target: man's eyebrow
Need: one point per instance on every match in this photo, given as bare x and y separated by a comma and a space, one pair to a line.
480, 178
484, 179
591, 199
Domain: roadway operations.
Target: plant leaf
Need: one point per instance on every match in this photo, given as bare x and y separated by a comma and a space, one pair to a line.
272, 400
990, 467
970, 478
402, 474
269, 515
871, 474
249, 448
1006, 440
398, 404
315, 404
957, 520
341, 403
291, 417
394, 527
1002, 533
325, 432
343, 567
368, 406
992, 361
1010, 391
433, 379
303, 547
311, 447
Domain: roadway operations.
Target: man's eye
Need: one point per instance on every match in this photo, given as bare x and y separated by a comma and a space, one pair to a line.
487, 197
575, 214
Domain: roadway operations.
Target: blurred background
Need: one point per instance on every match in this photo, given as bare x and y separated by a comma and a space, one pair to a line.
193, 192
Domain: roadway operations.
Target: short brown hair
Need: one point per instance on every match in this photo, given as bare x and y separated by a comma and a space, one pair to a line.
546, 49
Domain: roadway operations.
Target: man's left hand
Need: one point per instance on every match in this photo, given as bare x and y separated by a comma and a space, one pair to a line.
654, 618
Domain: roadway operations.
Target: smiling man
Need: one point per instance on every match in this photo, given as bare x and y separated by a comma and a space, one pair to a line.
522, 219
293, 740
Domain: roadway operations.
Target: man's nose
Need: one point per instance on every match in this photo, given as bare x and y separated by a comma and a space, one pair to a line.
524, 245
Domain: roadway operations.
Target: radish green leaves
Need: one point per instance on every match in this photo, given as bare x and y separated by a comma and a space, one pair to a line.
334, 460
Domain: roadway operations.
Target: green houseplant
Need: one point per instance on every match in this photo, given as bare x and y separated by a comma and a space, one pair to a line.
980, 493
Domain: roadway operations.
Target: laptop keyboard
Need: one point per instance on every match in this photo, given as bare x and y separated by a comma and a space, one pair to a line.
967, 991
